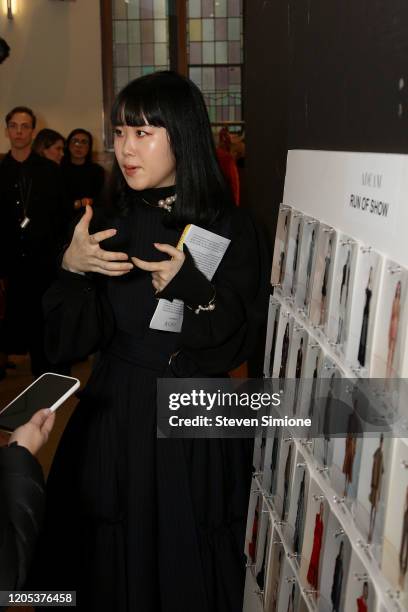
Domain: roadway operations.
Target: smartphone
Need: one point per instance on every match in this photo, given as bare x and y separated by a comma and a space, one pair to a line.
48, 391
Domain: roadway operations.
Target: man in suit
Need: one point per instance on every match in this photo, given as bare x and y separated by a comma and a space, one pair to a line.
32, 218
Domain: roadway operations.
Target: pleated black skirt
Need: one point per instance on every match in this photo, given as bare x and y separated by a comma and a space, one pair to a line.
136, 523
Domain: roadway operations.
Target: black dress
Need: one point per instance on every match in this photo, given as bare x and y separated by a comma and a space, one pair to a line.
285, 352
362, 348
300, 515
136, 523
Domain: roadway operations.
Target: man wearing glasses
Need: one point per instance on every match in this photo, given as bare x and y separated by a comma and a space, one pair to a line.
31, 220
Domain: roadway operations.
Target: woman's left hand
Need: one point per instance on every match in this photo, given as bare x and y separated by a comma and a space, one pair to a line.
162, 271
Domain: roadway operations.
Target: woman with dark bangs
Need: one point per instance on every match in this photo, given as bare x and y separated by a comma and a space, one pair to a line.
133, 522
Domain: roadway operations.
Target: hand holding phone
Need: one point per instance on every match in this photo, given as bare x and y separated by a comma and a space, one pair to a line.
34, 434
48, 391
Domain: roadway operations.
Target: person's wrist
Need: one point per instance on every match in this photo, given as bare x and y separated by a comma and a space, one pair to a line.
68, 265
32, 448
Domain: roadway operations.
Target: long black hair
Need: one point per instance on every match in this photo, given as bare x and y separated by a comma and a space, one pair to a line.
67, 156
167, 99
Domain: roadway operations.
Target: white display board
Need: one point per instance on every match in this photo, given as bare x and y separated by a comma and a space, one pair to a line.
364, 195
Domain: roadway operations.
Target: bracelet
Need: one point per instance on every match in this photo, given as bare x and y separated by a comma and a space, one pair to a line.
206, 308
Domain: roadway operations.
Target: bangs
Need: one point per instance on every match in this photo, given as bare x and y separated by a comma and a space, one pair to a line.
128, 108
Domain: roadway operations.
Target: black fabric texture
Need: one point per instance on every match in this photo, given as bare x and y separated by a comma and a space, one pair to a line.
133, 522
21, 512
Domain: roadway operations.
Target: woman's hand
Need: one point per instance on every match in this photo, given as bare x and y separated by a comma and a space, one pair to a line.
34, 434
85, 255
162, 271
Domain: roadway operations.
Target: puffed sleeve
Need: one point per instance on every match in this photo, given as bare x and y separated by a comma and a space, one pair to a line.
79, 318
219, 340
21, 513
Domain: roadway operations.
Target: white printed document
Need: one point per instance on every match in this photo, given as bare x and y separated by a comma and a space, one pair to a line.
207, 250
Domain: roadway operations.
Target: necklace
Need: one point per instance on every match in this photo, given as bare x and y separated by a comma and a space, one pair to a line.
167, 203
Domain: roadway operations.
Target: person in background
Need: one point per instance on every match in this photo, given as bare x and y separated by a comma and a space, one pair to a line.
50, 144
83, 178
22, 494
228, 164
4, 50
32, 225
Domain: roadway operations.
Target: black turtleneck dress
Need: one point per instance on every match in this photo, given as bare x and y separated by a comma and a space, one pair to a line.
135, 523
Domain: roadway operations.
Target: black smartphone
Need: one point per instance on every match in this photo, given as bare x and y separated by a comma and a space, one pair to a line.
48, 391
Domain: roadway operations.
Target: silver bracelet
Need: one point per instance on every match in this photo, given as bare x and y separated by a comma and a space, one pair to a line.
206, 308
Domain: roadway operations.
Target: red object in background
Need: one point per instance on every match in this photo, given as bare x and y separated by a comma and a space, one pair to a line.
361, 605
227, 163
313, 571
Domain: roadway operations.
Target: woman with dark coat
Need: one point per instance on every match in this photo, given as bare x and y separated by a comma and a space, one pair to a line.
135, 522
84, 179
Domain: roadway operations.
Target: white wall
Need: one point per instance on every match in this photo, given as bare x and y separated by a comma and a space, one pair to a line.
54, 66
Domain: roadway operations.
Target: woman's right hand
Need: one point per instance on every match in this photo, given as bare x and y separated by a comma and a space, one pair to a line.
85, 255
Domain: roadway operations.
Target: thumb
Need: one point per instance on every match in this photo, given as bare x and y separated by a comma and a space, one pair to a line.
48, 424
86, 218
40, 417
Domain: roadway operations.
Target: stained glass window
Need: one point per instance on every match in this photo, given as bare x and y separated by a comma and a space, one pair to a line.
214, 45
140, 39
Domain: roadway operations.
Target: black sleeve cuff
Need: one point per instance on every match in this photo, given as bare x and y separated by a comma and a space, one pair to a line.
72, 280
189, 284
19, 460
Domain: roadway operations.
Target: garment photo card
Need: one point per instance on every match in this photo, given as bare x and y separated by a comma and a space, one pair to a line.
329, 390
323, 275
285, 327
298, 504
271, 336
253, 522
363, 309
259, 451
272, 461
346, 460
263, 548
281, 241
310, 228
317, 515
293, 251
310, 379
360, 592
289, 593
274, 574
343, 282
281, 498
270, 466
391, 328
395, 544
295, 369
369, 507
335, 564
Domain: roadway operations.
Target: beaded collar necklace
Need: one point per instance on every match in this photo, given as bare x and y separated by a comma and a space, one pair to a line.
166, 203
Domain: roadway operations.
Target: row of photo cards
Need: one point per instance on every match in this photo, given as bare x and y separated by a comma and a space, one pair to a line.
344, 288
291, 520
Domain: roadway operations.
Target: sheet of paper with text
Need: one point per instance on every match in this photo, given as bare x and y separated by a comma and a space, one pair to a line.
207, 250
